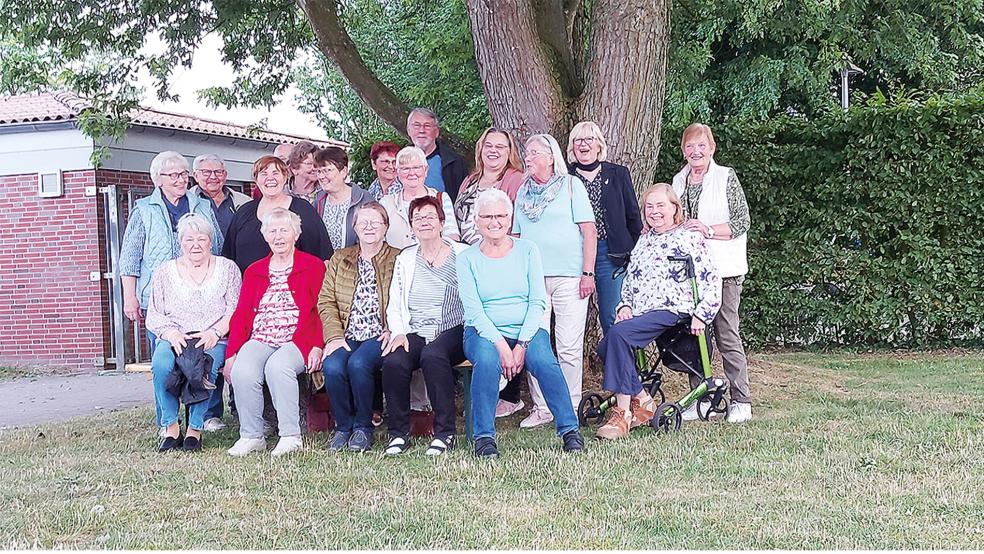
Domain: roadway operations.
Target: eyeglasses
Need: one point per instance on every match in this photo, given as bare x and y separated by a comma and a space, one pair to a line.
488, 218
535, 153
584, 140
385, 162
210, 172
307, 164
424, 218
368, 223
412, 168
176, 176
325, 172
499, 147
416, 126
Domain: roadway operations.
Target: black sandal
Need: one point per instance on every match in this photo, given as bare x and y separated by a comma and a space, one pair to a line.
397, 446
440, 446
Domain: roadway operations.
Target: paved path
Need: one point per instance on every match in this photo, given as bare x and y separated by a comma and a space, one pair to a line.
35, 400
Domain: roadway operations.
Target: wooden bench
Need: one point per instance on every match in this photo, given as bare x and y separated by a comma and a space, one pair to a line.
140, 368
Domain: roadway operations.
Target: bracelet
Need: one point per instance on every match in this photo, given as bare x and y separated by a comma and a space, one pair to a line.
217, 334
587, 273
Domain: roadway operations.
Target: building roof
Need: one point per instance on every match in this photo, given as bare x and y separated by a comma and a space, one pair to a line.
65, 106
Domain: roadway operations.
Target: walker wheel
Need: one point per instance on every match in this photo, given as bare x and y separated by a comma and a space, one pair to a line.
717, 405
668, 418
589, 411
655, 389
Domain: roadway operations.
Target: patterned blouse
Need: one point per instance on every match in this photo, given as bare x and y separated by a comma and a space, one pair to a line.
365, 321
334, 219
653, 282
376, 190
434, 303
178, 303
276, 317
594, 195
737, 205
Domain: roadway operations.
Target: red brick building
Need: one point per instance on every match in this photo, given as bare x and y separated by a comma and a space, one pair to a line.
57, 217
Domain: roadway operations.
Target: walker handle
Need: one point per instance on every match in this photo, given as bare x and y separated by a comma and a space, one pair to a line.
688, 261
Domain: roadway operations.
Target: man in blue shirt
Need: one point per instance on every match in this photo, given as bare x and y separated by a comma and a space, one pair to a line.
445, 169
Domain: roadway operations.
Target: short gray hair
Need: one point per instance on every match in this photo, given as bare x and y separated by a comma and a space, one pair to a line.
279, 215
207, 158
194, 223
160, 161
408, 154
560, 165
426, 113
493, 196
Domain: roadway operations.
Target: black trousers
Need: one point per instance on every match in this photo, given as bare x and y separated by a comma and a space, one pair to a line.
437, 360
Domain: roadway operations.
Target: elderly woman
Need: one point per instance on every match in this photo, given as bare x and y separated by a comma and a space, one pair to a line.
502, 290
337, 201
554, 212
656, 295
425, 320
616, 211
352, 305
151, 236
275, 334
382, 157
714, 205
411, 168
246, 244
192, 300
497, 165
303, 182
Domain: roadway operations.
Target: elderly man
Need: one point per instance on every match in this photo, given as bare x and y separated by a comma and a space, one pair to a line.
445, 169
210, 175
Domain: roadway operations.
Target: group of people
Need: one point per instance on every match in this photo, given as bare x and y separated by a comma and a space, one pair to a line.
389, 288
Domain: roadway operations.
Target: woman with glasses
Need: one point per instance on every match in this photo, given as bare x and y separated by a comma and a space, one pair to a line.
425, 318
411, 169
151, 236
303, 181
497, 166
554, 212
337, 201
609, 188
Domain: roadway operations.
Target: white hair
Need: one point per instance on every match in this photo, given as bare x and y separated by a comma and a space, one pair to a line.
280, 215
409, 154
426, 113
493, 196
194, 223
560, 166
164, 159
207, 158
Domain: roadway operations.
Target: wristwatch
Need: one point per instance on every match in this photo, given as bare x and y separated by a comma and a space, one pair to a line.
524, 343
710, 232
587, 273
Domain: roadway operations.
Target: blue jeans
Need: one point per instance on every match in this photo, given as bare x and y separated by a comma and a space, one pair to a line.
609, 289
167, 405
540, 362
215, 405
350, 378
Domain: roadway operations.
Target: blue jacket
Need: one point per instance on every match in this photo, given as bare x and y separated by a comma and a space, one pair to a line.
622, 216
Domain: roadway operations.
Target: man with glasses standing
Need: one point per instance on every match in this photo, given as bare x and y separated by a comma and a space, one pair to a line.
446, 169
210, 175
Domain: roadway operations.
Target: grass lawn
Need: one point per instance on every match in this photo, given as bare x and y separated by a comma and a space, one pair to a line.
845, 451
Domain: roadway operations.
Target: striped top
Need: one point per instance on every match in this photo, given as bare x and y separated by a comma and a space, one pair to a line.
434, 303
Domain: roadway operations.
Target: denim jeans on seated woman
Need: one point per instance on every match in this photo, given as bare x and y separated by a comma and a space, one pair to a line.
350, 379
609, 289
167, 405
540, 362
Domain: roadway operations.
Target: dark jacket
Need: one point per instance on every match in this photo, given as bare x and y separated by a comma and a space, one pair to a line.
622, 216
190, 368
359, 197
453, 169
245, 244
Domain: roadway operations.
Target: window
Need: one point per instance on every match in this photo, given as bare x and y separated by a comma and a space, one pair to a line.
50, 184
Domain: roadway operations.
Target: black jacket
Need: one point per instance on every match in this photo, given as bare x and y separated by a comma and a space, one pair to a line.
244, 243
190, 368
622, 217
453, 170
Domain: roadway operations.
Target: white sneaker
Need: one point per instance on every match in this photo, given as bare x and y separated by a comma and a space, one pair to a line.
536, 418
505, 408
245, 446
286, 445
740, 412
213, 424
690, 414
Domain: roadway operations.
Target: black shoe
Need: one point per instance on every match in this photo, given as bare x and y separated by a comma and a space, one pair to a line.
360, 441
485, 448
573, 441
397, 446
192, 444
439, 446
170, 443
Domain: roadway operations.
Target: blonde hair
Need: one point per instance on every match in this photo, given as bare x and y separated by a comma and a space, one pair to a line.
671, 195
512, 160
280, 215
587, 129
694, 130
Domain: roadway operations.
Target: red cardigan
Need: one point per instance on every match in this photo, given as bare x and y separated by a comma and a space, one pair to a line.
305, 280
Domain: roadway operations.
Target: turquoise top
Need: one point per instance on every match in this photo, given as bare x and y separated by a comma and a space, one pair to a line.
556, 233
503, 297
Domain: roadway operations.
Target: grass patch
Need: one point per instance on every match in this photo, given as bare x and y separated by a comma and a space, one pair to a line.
846, 451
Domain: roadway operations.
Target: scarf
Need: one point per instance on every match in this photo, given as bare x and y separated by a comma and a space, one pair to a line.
587, 167
536, 197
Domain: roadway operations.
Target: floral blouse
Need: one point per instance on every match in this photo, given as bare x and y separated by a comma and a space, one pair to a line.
364, 318
653, 282
277, 314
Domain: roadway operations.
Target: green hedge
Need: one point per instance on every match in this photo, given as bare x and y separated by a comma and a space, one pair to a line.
867, 226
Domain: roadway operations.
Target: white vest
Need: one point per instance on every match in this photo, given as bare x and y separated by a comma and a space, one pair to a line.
729, 256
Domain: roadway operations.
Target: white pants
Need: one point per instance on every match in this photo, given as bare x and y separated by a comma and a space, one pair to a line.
564, 299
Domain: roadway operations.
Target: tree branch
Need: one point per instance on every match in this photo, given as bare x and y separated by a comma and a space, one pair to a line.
553, 20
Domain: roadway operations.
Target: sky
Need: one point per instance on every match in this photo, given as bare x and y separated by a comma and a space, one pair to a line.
208, 70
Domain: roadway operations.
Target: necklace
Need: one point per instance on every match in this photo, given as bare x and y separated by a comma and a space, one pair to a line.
190, 270
436, 257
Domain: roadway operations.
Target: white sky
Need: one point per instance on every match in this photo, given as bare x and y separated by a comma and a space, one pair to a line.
208, 70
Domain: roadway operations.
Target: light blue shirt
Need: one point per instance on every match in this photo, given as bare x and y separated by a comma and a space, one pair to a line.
556, 232
503, 297
434, 178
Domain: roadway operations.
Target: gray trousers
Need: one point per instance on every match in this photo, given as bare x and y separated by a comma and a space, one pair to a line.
729, 341
255, 364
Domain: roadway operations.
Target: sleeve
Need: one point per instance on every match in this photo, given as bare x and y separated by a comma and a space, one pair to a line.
538, 294
158, 321
229, 240
475, 315
517, 228
580, 203
625, 295
233, 286
131, 250
240, 318
708, 281
394, 306
328, 303
633, 216
320, 243
450, 222
738, 220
